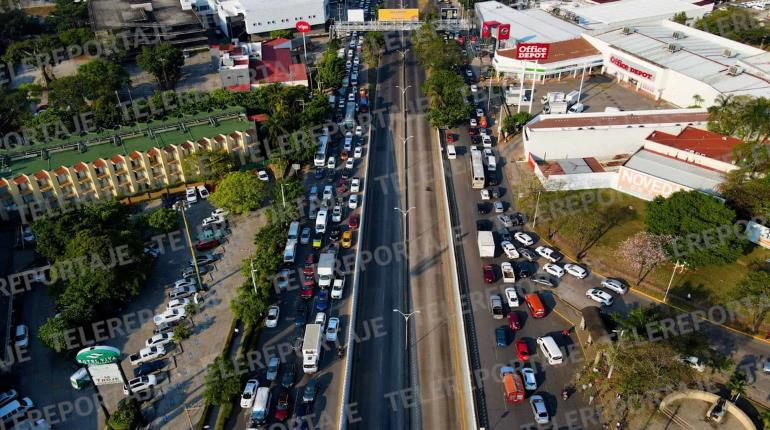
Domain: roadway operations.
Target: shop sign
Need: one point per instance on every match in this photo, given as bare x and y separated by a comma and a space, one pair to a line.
631, 69
532, 51
645, 186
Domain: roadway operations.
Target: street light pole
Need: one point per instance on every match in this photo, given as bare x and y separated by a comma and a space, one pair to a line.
181, 208
677, 265
406, 325
537, 205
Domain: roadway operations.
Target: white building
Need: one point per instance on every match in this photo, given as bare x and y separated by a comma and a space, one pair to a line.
260, 16
530, 25
626, 12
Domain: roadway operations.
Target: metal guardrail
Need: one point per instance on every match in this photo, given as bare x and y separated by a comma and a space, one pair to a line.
443, 24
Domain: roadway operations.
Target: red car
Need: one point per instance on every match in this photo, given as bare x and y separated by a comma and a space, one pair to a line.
353, 222
282, 409
204, 245
309, 281
489, 273
513, 321
451, 138
473, 131
342, 186
308, 271
306, 293
521, 350
310, 259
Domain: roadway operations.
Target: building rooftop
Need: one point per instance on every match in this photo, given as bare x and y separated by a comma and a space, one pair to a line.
107, 150
560, 51
607, 14
621, 119
700, 56
702, 142
118, 14
530, 25
677, 171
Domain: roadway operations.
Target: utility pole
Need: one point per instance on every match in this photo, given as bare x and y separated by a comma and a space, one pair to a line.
537, 205
181, 206
406, 325
677, 266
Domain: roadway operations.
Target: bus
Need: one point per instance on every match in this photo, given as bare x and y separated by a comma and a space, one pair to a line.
323, 148
350, 115
477, 169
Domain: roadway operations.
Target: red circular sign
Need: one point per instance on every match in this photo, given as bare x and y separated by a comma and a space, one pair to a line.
302, 26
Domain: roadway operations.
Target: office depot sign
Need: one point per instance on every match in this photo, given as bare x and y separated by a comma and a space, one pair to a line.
532, 51
631, 69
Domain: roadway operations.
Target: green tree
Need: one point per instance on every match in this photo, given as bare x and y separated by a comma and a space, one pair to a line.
17, 25
749, 197
68, 14
446, 91
680, 18
764, 417
128, 415
221, 382
315, 111
433, 52
733, 23
181, 332
164, 62
163, 220
331, 69
53, 333
209, 165
102, 78
282, 34
752, 291
14, 109
240, 192
249, 306
738, 384
37, 52
372, 49
693, 220
637, 322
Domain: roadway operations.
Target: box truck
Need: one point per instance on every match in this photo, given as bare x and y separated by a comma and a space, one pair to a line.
486, 244
311, 348
326, 263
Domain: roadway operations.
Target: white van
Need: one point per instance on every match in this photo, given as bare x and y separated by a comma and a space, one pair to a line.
577, 108
15, 409
320, 221
294, 230
290, 251
491, 163
451, 152
261, 406
550, 349
611, 109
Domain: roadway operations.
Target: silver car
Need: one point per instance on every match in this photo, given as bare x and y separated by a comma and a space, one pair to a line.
272, 368
599, 296
615, 285
539, 410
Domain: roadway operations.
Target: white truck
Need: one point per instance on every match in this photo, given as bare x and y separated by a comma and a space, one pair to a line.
311, 348
554, 96
509, 276
486, 244
556, 107
572, 97
326, 263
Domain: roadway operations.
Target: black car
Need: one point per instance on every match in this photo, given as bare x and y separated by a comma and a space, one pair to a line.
494, 192
504, 234
334, 233
308, 395
482, 208
165, 327
148, 367
501, 337
287, 380
527, 254
319, 173
518, 218
521, 270
301, 318
483, 225
543, 279
347, 173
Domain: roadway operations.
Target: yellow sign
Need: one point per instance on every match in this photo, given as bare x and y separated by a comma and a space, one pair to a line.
398, 15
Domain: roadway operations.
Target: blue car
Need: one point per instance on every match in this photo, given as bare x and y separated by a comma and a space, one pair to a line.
148, 367
322, 301
501, 337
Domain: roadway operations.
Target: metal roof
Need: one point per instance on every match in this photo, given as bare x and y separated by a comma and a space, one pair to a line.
531, 25
572, 166
630, 10
676, 171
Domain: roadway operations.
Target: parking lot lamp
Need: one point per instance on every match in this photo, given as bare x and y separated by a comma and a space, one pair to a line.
406, 325
181, 206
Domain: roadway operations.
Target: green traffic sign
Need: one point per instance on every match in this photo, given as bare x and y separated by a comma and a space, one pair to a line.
98, 355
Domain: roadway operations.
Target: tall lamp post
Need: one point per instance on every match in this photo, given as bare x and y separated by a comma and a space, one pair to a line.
181, 206
406, 325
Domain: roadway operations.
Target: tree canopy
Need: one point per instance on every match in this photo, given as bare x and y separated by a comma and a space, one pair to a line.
734, 23
240, 192
753, 290
222, 382
446, 91
164, 61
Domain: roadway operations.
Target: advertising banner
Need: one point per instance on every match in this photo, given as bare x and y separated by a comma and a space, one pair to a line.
105, 374
398, 14
98, 355
486, 28
449, 13
631, 69
302, 26
532, 51
356, 15
504, 32
645, 186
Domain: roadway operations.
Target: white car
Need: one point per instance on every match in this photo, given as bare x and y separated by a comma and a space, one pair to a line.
304, 237
169, 316
523, 238
272, 316
249, 392
576, 270
221, 213
479, 112
139, 384
599, 296
332, 328
160, 339
353, 201
263, 176
328, 192
615, 285
359, 131
192, 195
539, 410
511, 297
509, 276
178, 304
530, 381
553, 269
355, 185
474, 123
484, 194
204, 193
350, 162
474, 88
549, 254
694, 362
351, 97
212, 220
358, 152
331, 163
338, 287
147, 354
21, 338
337, 213
509, 249
356, 61
182, 291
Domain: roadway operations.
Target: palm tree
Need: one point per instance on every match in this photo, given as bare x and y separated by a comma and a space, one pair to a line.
635, 321
764, 416
738, 385
697, 100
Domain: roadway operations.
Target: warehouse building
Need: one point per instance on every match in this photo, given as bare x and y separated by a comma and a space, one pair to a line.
625, 12
644, 153
236, 17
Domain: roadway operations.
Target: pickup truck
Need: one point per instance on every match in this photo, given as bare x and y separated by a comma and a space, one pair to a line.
496, 305
147, 354
509, 277
549, 254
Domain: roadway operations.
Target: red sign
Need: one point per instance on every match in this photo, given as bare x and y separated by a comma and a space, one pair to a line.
302, 26
532, 51
486, 28
504, 32
621, 64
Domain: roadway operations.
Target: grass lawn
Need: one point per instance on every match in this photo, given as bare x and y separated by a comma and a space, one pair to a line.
707, 285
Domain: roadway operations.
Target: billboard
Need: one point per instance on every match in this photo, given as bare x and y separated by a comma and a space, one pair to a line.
504, 32
532, 51
98, 355
645, 186
486, 28
106, 374
398, 14
356, 15
449, 13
